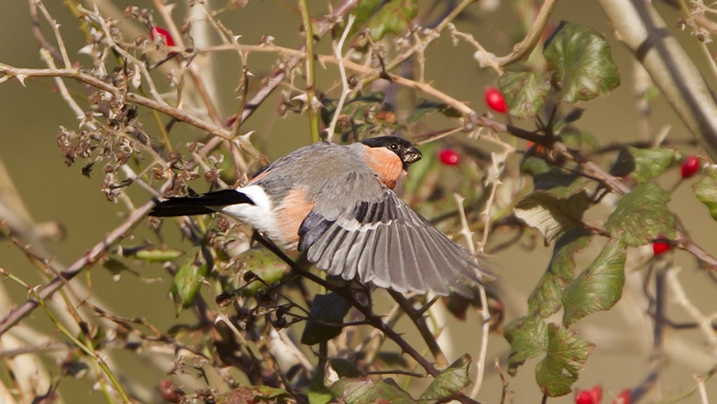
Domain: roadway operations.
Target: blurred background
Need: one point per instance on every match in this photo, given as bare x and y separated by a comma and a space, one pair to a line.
79, 216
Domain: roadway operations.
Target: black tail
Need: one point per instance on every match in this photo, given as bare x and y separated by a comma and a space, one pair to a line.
199, 205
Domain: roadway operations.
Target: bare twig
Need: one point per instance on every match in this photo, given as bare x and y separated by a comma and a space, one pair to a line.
344, 79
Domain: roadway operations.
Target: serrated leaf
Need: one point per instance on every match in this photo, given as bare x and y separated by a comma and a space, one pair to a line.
642, 216
325, 309
450, 381
392, 18
547, 297
706, 191
151, 254
528, 338
597, 288
426, 107
642, 164
583, 66
266, 265
566, 356
551, 215
369, 391
188, 281
254, 395
525, 92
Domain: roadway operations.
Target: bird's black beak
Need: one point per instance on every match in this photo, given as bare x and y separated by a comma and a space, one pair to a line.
411, 155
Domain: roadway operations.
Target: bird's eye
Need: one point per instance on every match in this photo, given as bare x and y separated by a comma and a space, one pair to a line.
394, 146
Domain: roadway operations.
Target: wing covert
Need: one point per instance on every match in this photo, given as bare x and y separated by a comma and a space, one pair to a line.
387, 243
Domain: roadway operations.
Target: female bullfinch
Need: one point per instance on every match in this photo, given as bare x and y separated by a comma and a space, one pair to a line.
335, 203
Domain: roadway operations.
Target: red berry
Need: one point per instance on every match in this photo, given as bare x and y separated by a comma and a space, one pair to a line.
623, 397
495, 100
170, 392
592, 396
449, 157
690, 166
160, 32
583, 397
660, 247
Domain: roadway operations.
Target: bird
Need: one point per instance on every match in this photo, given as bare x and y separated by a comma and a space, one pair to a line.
336, 204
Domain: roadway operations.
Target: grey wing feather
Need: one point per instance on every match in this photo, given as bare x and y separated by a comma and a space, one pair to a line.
387, 243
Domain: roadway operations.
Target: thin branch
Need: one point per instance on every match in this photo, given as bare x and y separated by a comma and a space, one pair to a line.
344, 79
485, 312
420, 322
311, 98
87, 260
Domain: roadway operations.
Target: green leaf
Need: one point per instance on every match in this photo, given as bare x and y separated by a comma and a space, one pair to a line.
188, 281
365, 390
581, 59
528, 338
151, 254
547, 297
557, 181
566, 356
266, 265
597, 288
426, 107
551, 215
642, 164
525, 92
329, 308
254, 395
365, 9
642, 216
706, 191
450, 381
392, 18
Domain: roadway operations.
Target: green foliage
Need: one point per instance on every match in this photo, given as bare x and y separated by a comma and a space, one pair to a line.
547, 297
269, 269
450, 381
528, 338
525, 92
706, 191
642, 216
597, 288
152, 254
565, 357
330, 308
565, 353
582, 63
381, 18
552, 215
580, 68
642, 164
188, 280
367, 391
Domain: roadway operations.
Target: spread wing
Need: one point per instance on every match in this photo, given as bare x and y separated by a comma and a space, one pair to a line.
387, 243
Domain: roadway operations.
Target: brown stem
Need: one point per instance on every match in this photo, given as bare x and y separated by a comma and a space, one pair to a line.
420, 322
